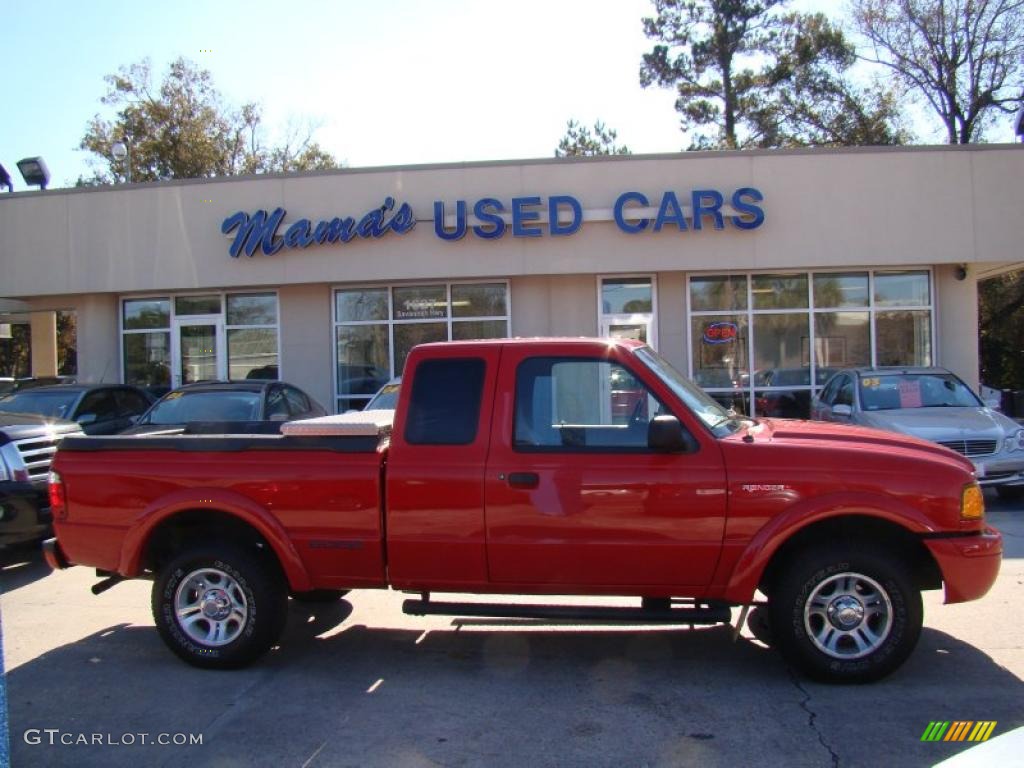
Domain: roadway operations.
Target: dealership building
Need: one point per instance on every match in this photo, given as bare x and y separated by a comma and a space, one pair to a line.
755, 272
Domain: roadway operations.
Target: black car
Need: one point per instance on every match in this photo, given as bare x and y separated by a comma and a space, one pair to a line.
100, 409
252, 405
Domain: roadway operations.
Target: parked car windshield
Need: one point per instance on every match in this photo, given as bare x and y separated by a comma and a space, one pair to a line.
226, 405
708, 410
886, 392
48, 403
387, 398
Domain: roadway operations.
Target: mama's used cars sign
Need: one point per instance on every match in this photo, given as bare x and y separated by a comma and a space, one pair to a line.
490, 218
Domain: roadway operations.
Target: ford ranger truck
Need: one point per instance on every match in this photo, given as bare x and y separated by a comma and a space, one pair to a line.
537, 467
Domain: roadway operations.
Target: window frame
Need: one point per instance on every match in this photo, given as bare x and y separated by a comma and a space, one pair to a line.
584, 449
169, 329
626, 318
751, 391
449, 320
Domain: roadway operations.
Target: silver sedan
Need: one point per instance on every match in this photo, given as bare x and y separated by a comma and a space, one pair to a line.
933, 404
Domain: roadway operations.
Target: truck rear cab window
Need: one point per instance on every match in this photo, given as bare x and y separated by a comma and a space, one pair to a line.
444, 408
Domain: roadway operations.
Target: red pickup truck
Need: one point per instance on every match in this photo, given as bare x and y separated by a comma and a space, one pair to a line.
512, 467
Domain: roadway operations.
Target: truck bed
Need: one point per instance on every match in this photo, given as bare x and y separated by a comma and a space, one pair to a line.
320, 493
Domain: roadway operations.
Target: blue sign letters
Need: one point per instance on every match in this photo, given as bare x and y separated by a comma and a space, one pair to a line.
492, 219
259, 231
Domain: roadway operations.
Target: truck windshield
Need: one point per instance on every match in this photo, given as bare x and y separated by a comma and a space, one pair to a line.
718, 419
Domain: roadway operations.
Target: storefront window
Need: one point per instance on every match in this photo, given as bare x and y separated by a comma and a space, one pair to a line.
718, 292
257, 309
904, 338
252, 336
235, 338
197, 305
147, 359
147, 313
779, 291
377, 327
841, 289
798, 337
902, 289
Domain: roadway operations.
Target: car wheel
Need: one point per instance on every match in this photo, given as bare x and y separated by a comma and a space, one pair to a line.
219, 606
1010, 492
845, 616
319, 595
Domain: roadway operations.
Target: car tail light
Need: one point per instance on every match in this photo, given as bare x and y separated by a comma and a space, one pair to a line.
972, 503
58, 501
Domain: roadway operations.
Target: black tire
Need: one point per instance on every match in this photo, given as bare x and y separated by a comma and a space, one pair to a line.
254, 594
319, 596
875, 579
1010, 492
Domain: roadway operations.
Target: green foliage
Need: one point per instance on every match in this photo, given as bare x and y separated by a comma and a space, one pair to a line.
749, 75
580, 142
963, 58
1001, 320
183, 129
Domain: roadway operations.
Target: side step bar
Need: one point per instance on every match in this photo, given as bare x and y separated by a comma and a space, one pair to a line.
703, 614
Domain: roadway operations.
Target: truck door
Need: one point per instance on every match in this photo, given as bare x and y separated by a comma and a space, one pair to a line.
434, 477
573, 494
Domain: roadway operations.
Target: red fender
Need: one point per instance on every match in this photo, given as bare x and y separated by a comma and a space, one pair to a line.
762, 547
218, 500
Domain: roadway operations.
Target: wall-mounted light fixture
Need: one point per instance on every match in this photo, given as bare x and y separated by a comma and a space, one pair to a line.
34, 172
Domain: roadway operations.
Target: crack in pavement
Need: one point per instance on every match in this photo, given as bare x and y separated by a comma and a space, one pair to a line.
812, 716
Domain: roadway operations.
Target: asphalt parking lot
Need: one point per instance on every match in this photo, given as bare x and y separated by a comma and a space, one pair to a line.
359, 683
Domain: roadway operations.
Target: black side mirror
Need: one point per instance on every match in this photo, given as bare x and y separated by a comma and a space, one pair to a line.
666, 435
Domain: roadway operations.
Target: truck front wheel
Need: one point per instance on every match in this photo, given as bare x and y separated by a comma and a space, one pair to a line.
219, 606
840, 615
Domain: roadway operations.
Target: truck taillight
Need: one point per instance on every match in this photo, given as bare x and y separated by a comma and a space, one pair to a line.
58, 501
972, 503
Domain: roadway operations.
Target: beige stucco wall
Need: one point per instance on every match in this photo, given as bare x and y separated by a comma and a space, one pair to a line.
956, 323
305, 352
823, 208
563, 305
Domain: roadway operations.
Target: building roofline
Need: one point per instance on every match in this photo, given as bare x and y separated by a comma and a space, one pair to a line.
473, 164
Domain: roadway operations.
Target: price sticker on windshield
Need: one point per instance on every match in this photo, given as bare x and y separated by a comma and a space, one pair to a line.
871, 383
910, 394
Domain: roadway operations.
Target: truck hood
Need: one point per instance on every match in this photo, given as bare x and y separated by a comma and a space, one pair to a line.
940, 424
843, 435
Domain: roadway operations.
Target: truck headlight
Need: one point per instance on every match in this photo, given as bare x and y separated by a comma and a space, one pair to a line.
972, 503
1015, 442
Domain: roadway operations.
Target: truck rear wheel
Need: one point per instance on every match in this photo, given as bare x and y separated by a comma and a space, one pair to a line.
844, 616
219, 606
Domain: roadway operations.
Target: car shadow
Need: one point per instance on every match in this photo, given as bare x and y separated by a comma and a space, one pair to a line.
466, 694
20, 566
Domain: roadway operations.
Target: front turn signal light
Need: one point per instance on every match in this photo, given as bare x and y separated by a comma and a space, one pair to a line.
972, 503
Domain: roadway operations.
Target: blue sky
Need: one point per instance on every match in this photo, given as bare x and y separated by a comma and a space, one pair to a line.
400, 82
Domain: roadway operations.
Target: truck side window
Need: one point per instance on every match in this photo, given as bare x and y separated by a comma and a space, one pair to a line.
444, 408
576, 404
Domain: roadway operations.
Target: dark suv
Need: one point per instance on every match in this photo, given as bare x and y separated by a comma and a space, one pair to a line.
27, 444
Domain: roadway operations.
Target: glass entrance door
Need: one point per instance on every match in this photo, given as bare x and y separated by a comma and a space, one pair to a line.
198, 351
